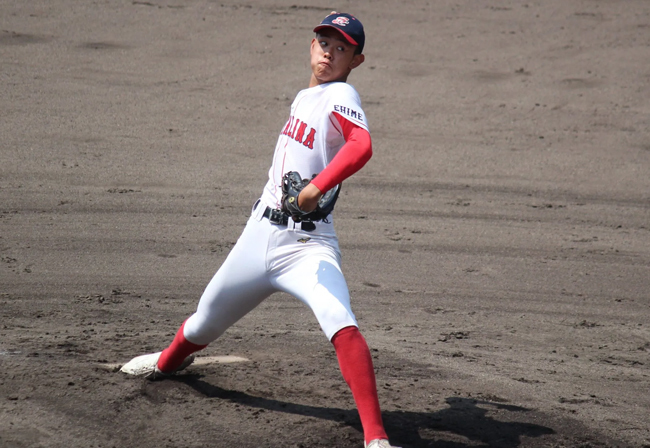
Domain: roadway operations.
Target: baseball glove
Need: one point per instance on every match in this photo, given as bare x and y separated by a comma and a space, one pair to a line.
292, 185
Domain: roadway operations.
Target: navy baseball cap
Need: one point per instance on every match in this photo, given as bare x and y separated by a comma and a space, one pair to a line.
348, 25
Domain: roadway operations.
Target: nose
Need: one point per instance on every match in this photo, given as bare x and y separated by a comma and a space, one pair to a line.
327, 55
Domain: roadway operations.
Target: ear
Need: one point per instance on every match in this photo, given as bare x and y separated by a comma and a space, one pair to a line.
357, 60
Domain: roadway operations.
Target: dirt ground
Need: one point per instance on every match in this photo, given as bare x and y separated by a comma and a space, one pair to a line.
497, 246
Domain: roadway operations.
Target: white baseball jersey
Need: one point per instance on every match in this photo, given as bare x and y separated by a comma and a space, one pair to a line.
312, 136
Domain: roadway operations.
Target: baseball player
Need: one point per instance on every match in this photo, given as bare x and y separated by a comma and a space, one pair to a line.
289, 243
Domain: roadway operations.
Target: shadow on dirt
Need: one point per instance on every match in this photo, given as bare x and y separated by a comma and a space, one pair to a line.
464, 423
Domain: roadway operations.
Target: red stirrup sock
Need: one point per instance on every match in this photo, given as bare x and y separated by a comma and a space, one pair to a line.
356, 366
174, 355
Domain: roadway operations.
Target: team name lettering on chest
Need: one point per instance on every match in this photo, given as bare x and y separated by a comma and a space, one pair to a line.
349, 112
297, 130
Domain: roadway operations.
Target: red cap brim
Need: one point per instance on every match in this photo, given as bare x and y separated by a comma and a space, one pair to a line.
347, 37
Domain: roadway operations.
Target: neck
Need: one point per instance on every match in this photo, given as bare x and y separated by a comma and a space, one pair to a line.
313, 81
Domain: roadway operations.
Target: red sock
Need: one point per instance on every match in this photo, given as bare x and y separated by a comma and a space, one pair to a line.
174, 355
356, 366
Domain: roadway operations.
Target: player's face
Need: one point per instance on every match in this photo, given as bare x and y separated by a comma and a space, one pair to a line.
332, 57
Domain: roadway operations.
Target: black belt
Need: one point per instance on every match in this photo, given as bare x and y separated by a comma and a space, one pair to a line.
277, 216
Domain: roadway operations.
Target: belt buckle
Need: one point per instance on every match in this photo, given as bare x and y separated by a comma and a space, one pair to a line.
277, 216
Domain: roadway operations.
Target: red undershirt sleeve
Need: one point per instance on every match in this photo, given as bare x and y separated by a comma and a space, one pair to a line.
352, 156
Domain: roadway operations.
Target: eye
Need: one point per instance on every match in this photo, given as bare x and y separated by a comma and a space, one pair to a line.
340, 48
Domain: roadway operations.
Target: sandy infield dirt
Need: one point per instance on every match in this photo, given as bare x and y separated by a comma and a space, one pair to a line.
497, 246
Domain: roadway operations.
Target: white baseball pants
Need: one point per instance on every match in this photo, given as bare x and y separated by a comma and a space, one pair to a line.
269, 258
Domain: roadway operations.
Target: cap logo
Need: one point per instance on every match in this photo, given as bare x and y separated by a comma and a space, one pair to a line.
342, 21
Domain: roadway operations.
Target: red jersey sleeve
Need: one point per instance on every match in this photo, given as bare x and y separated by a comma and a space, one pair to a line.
352, 156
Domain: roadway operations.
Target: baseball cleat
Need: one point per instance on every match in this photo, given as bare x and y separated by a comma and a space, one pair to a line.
147, 366
380, 443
